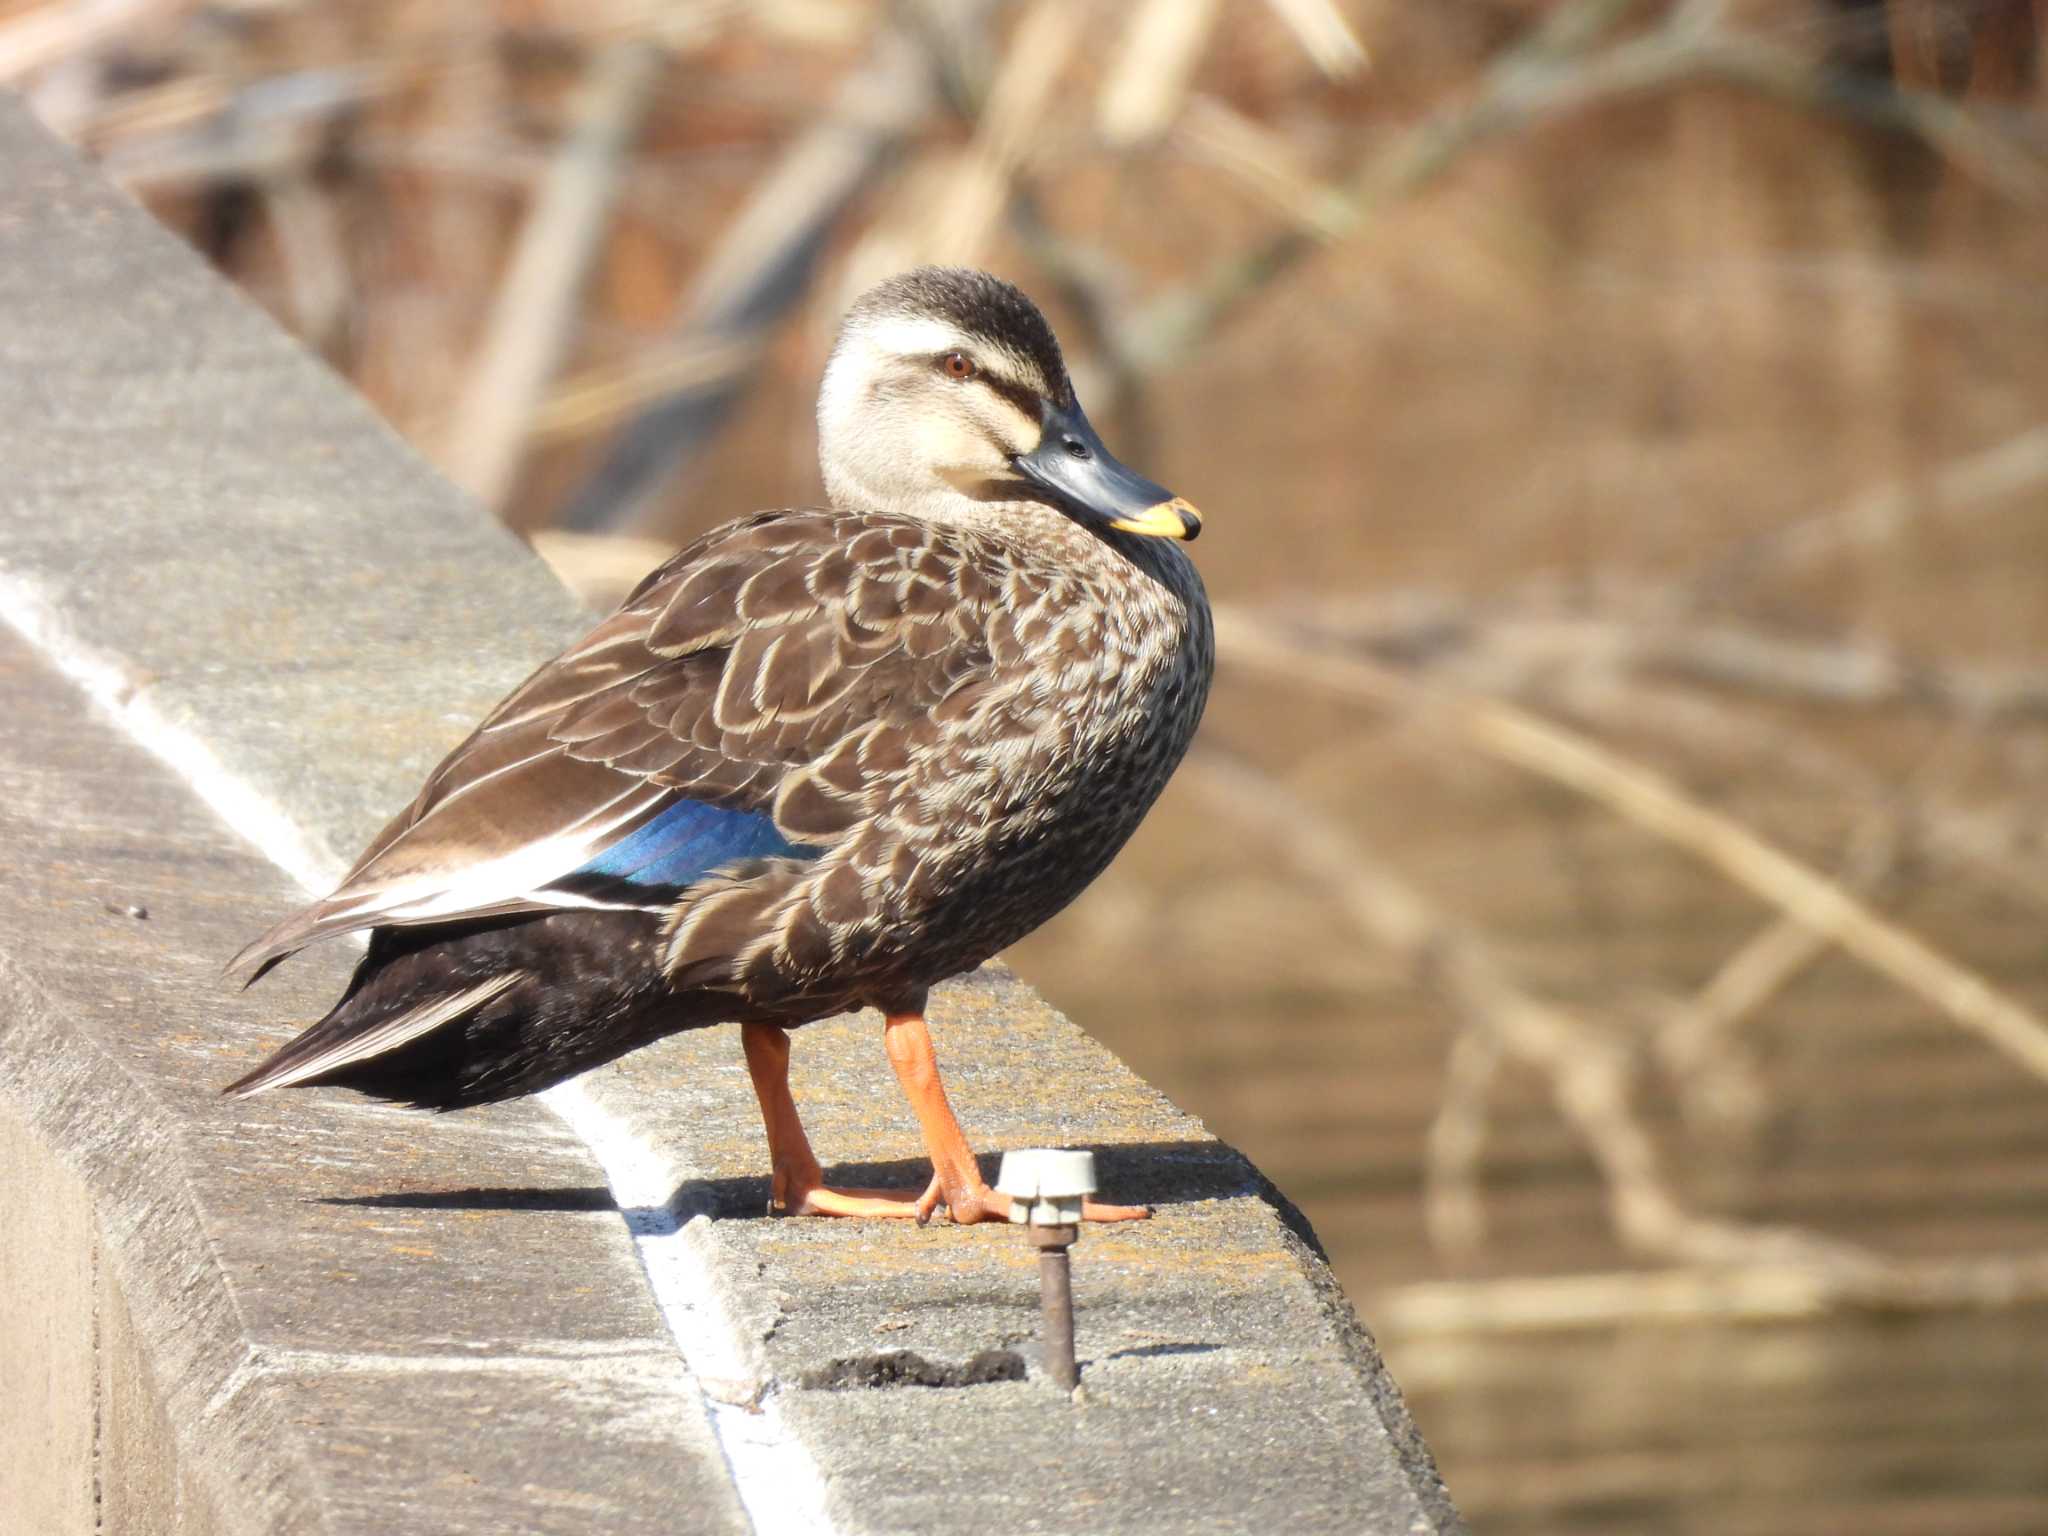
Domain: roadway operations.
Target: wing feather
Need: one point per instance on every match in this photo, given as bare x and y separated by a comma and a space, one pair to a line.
783, 666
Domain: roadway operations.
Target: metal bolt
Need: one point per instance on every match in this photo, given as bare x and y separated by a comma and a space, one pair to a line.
1046, 1189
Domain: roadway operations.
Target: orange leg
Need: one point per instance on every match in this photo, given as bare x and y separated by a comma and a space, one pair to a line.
799, 1183
799, 1186
956, 1180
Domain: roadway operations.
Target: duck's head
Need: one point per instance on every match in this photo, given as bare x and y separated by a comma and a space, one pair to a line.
946, 397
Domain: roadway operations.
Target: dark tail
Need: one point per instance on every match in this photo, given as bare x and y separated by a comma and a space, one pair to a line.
445, 1017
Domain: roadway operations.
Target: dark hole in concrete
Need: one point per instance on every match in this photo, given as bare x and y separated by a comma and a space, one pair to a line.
907, 1368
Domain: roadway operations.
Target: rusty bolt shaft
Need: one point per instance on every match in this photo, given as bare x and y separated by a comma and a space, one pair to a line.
1056, 1303
1048, 1190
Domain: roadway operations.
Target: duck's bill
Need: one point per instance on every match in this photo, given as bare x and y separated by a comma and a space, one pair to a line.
1085, 480
1170, 519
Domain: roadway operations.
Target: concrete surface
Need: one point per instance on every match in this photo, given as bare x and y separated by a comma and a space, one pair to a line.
237, 600
212, 1276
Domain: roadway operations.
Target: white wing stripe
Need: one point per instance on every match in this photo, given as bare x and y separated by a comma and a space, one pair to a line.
516, 876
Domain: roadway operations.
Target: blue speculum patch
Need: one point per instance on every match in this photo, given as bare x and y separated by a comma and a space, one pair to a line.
682, 845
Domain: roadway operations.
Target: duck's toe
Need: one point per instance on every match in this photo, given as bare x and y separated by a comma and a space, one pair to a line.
823, 1200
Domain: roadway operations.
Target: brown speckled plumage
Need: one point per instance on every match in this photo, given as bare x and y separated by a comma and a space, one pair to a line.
969, 725
952, 723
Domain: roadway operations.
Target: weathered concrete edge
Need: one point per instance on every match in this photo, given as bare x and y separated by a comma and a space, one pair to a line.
1362, 1351
101, 1126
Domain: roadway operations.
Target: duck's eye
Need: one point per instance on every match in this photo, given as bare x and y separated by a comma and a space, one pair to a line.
958, 365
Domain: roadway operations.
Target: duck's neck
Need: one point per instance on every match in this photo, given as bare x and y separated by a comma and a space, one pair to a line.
858, 487
1166, 561
1029, 525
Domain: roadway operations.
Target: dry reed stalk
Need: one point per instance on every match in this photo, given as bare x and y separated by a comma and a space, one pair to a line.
312, 248
1324, 34
1506, 647
597, 397
1588, 1071
1011, 122
218, 126
1592, 667
415, 353
1695, 1038
533, 318
2000, 846
1265, 162
53, 33
761, 262
1150, 71
1759, 1291
1650, 802
1976, 482
1563, 68
1452, 1209
158, 113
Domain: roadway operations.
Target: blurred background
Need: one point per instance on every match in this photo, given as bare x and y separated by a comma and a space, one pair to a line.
1608, 892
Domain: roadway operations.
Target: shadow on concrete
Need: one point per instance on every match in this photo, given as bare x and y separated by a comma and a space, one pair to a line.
1143, 1172
1130, 1172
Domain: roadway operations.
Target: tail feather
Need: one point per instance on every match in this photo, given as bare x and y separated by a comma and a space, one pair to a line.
452, 1015
337, 1040
334, 916
256, 959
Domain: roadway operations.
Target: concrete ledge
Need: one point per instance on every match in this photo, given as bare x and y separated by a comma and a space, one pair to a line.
243, 621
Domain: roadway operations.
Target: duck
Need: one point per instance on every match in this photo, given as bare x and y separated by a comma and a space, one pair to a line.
820, 760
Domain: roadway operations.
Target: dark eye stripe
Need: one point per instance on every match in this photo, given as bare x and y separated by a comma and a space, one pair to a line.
1019, 395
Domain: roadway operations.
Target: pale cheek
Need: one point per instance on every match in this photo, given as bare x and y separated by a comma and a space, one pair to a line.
954, 445
1011, 426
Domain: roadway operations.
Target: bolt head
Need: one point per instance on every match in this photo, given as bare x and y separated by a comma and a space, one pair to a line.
1044, 1171
1047, 1185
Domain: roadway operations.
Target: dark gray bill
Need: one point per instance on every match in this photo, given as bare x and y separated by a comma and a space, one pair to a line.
1087, 481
